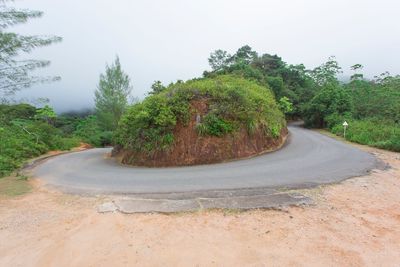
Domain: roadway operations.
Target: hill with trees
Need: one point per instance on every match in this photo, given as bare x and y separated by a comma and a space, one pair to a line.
201, 121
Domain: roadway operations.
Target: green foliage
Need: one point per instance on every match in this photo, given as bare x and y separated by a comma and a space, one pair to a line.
46, 114
14, 71
245, 54
326, 73
285, 105
148, 125
111, 96
23, 137
234, 103
213, 125
331, 99
291, 81
157, 87
89, 131
277, 85
219, 59
373, 132
372, 99
19, 111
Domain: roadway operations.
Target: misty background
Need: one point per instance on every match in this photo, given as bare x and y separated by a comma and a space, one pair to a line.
171, 40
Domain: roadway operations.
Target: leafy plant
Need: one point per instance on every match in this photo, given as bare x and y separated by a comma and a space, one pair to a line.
285, 105
213, 125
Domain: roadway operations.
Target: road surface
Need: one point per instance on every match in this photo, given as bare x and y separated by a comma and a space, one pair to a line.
309, 158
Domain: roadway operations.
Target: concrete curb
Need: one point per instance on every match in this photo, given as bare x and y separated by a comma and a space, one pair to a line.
129, 205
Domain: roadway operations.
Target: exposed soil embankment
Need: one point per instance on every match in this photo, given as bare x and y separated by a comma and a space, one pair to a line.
190, 148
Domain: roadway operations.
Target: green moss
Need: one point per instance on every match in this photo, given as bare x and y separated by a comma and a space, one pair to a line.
234, 103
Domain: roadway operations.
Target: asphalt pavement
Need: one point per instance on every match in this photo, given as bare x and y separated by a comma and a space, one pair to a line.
308, 159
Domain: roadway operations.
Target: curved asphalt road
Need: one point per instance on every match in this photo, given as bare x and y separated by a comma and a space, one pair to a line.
309, 158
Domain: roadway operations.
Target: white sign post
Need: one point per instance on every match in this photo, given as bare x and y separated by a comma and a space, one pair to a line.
345, 124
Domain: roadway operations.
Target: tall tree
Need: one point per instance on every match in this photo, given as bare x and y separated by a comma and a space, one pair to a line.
244, 54
219, 59
327, 72
14, 73
111, 96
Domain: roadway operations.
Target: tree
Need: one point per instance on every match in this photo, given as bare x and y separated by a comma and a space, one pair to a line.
270, 65
356, 76
331, 99
157, 87
111, 96
244, 54
14, 73
327, 72
219, 59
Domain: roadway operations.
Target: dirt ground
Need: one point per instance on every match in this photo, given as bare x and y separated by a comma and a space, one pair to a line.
354, 223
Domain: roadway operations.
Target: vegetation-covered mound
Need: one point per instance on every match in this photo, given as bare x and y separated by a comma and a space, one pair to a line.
201, 121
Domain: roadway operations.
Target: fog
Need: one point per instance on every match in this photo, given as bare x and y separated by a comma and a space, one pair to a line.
170, 40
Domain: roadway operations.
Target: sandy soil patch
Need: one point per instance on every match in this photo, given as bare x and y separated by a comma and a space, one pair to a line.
354, 223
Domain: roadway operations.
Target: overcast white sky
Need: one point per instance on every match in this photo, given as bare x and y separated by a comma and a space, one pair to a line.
170, 40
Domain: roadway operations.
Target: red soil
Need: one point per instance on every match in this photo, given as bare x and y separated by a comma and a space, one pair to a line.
191, 149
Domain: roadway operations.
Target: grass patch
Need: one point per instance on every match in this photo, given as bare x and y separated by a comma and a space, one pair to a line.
383, 134
12, 186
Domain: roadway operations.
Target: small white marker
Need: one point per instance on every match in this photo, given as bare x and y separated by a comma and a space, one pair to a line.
345, 124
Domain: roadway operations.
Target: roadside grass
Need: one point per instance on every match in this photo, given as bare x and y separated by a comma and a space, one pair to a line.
384, 134
14, 185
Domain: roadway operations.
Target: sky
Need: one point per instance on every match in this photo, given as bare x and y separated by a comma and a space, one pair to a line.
171, 40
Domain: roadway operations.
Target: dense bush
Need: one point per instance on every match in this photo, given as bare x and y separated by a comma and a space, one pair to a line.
212, 125
233, 102
376, 98
19, 111
89, 131
24, 139
373, 132
331, 99
27, 132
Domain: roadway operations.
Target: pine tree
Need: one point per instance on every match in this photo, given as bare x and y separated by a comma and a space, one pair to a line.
111, 96
14, 73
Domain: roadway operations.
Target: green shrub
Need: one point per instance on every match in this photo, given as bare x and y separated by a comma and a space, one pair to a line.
19, 111
373, 132
89, 131
213, 125
24, 139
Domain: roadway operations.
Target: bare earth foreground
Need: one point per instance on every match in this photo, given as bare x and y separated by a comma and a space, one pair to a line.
354, 223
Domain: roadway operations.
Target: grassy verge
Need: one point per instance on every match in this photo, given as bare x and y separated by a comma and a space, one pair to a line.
372, 132
12, 186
